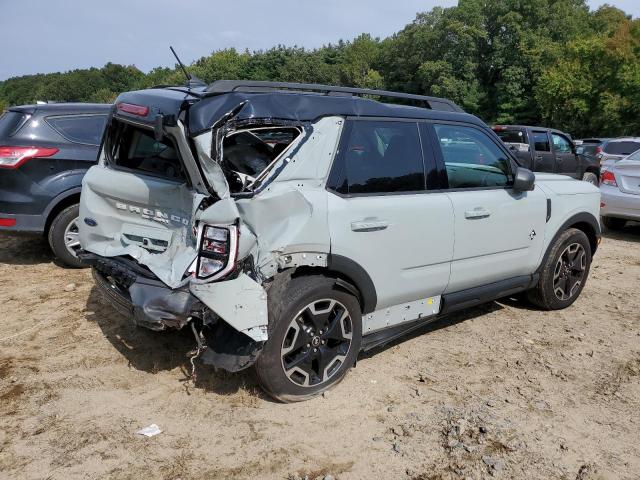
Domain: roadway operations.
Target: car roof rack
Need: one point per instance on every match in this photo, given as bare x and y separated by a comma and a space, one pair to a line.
228, 86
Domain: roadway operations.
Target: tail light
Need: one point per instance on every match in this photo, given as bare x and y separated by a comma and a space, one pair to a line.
13, 157
218, 251
608, 178
138, 110
7, 222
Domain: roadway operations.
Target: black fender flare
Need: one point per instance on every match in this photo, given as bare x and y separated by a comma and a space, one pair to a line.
582, 219
358, 276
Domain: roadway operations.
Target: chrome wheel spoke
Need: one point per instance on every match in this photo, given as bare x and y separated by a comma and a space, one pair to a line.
569, 271
72, 237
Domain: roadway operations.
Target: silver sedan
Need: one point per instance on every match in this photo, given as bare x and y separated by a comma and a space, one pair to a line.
620, 188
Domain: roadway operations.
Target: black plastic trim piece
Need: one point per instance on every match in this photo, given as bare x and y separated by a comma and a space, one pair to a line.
358, 276
477, 295
548, 209
382, 337
579, 218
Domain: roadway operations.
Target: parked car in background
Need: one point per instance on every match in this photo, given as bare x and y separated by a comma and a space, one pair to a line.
547, 150
620, 189
590, 148
618, 148
45, 151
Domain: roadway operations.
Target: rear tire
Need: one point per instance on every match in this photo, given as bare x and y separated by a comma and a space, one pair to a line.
315, 333
564, 272
63, 236
591, 178
613, 223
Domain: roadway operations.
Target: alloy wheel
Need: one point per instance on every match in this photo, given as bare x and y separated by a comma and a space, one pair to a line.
569, 271
316, 343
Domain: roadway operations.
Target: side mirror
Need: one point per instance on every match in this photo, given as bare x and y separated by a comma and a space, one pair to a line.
579, 150
524, 180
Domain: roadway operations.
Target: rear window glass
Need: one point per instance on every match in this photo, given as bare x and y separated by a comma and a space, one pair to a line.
136, 149
10, 123
80, 128
622, 148
512, 136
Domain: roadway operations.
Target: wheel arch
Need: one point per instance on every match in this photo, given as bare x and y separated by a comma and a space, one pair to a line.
583, 221
350, 276
58, 204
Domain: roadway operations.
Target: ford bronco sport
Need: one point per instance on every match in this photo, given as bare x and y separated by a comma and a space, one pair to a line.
291, 226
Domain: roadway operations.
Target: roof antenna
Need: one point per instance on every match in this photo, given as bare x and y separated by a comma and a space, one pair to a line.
192, 80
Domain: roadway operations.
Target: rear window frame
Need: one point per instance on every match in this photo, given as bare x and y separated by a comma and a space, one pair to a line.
18, 126
107, 147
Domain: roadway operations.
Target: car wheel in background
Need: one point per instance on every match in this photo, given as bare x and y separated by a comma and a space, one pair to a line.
564, 272
315, 333
64, 238
591, 178
613, 223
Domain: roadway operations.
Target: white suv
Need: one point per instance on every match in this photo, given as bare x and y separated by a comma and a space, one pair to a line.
293, 226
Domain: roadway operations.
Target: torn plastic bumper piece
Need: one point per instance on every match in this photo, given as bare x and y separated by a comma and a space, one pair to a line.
148, 301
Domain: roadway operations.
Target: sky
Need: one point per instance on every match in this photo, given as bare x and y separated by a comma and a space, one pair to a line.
42, 36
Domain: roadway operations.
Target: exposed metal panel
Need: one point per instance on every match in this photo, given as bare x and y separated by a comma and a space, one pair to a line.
241, 302
397, 314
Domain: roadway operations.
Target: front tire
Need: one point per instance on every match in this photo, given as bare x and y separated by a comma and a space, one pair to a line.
64, 237
315, 333
564, 273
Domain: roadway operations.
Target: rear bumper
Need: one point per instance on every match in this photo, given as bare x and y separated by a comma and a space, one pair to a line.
23, 223
140, 297
619, 204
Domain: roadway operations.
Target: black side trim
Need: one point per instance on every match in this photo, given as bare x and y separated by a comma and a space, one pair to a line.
579, 219
382, 337
475, 296
358, 276
548, 209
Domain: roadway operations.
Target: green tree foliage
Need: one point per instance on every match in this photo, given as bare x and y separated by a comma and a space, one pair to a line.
550, 62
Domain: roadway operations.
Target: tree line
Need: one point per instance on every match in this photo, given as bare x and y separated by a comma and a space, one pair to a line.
538, 62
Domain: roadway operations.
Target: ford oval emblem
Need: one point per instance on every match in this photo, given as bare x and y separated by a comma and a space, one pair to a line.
90, 221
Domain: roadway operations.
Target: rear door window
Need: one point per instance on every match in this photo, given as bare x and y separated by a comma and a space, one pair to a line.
137, 149
85, 129
378, 157
622, 148
541, 141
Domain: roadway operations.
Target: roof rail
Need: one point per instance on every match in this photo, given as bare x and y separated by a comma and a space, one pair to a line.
228, 86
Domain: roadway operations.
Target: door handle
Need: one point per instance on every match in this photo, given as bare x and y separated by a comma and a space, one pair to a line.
476, 213
369, 225
538, 157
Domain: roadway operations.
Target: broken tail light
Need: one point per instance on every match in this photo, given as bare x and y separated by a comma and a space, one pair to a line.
13, 157
608, 178
218, 251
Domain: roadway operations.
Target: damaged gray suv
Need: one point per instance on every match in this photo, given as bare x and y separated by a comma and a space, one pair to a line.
292, 226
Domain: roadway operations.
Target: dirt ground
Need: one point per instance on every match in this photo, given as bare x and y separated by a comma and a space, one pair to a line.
500, 391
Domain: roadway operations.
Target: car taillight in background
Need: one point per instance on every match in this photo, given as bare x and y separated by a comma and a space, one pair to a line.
7, 222
218, 251
608, 178
13, 157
